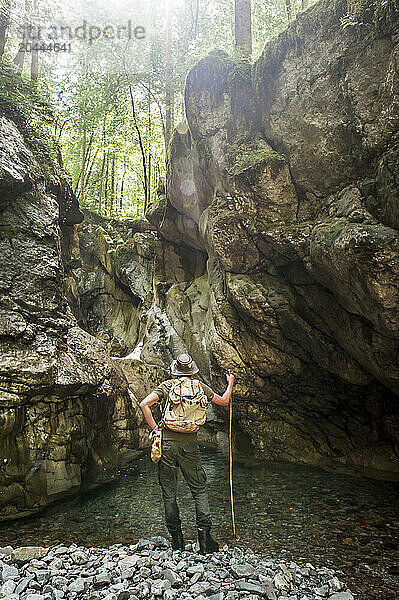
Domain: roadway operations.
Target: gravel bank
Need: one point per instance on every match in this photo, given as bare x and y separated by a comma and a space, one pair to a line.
151, 570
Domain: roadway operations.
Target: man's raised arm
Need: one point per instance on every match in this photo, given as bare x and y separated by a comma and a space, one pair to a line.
225, 399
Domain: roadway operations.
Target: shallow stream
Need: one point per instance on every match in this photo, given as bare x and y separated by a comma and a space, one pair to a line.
348, 523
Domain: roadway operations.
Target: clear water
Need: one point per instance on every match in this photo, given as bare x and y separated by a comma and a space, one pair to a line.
287, 511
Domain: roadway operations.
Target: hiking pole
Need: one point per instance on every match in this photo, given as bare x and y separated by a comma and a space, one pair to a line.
233, 519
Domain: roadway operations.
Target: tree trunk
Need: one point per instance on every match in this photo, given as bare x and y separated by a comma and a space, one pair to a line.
34, 68
122, 184
102, 169
82, 174
100, 193
34, 71
288, 8
169, 94
20, 57
142, 149
148, 196
243, 28
106, 186
112, 201
90, 169
158, 103
196, 18
5, 12
149, 185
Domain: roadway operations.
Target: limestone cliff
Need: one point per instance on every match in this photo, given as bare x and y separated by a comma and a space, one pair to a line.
66, 415
282, 198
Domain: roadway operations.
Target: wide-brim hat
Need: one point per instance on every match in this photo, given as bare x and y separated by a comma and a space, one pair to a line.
184, 365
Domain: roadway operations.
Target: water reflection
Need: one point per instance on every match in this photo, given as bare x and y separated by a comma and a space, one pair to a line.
348, 523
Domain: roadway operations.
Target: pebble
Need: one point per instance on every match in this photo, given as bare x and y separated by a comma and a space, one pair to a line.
150, 569
218, 596
172, 576
26, 553
9, 572
281, 583
8, 588
244, 570
23, 583
250, 587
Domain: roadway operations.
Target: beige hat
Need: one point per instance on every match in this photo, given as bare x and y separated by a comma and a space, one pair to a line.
183, 365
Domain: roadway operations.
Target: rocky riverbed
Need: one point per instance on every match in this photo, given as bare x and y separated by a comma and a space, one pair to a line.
150, 569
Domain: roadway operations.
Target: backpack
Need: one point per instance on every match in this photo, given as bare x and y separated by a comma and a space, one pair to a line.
185, 409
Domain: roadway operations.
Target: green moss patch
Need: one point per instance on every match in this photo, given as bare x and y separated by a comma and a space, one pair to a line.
244, 158
8, 231
156, 209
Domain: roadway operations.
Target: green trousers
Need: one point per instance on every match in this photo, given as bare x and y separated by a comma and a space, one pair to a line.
187, 457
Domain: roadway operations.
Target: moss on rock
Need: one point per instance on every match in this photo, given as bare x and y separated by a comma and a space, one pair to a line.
156, 209
8, 231
249, 159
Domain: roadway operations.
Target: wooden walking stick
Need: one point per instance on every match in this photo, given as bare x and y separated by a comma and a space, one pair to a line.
233, 519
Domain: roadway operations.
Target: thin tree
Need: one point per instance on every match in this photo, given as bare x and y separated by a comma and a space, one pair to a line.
106, 185
243, 28
100, 195
122, 184
288, 8
142, 149
158, 103
112, 200
5, 13
20, 56
149, 124
169, 93
84, 159
34, 69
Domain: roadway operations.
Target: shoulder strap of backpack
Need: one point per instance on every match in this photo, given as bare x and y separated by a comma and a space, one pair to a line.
161, 424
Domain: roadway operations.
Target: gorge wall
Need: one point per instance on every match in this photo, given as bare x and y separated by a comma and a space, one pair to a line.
66, 414
281, 234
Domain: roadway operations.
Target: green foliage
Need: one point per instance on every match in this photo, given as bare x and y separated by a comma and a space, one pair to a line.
90, 87
30, 106
362, 12
111, 236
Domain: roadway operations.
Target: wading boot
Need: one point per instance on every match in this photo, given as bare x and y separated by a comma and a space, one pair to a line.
206, 543
177, 540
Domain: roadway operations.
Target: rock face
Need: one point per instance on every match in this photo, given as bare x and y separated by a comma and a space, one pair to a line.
65, 412
109, 282
282, 221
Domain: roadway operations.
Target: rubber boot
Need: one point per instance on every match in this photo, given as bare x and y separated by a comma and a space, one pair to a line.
206, 543
177, 540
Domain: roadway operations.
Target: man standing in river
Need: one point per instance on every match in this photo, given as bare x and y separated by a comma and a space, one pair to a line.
184, 401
